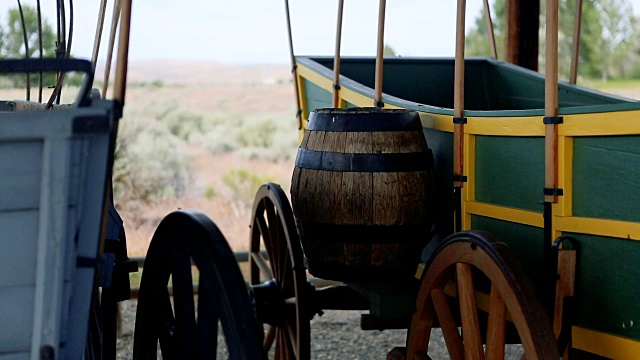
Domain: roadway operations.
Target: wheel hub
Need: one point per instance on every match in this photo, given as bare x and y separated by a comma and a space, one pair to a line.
268, 303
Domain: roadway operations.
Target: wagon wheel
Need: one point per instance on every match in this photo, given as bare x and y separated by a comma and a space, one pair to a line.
511, 295
182, 331
281, 302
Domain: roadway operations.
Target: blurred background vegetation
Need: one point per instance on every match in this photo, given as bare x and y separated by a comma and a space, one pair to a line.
609, 42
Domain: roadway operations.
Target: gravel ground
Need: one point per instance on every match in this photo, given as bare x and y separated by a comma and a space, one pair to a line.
335, 335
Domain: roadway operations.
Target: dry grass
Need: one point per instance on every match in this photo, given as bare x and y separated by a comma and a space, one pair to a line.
232, 219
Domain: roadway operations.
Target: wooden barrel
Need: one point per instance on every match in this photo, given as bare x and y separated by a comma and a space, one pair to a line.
362, 193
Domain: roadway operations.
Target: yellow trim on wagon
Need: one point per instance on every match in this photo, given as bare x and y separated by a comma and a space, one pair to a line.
505, 126
436, 121
355, 98
601, 124
304, 106
610, 346
602, 227
505, 213
315, 78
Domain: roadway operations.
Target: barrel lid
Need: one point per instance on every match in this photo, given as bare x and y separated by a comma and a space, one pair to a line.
363, 119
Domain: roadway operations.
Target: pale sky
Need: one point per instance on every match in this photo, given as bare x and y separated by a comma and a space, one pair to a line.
254, 31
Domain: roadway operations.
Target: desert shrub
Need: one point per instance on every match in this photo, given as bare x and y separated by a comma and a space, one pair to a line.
243, 185
275, 153
183, 123
149, 164
216, 142
261, 136
209, 192
257, 132
255, 137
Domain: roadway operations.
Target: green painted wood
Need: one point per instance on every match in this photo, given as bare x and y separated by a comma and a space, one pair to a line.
606, 177
317, 97
510, 171
393, 300
607, 285
493, 88
525, 241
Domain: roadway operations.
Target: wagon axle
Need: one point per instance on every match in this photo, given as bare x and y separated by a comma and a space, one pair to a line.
271, 303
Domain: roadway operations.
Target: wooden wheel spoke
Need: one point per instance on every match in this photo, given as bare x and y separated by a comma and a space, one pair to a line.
292, 336
262, 264
288, 274
166, 324
290, 341
208, 318
448, 324
283, 255
273, 236
496, 326
279, 347
269, 338
284, 348
268, 241
286, 277
184, 307
470, 325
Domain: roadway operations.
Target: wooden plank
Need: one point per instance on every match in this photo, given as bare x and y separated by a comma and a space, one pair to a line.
336, 61
551, 99
357, 205
379, 58
469, 314
386, 199
496, 326
359, 143
120, 81
458, 96
577, 18
551, 160
357, 197
54, 225
448, 324
492, 38
18, 248
20, 165
504, 213
564, 286
458, 85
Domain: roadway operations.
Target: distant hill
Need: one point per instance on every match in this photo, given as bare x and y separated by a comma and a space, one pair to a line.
185, 72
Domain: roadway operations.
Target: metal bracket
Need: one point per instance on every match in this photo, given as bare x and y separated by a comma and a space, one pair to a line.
552, 120
459, 120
